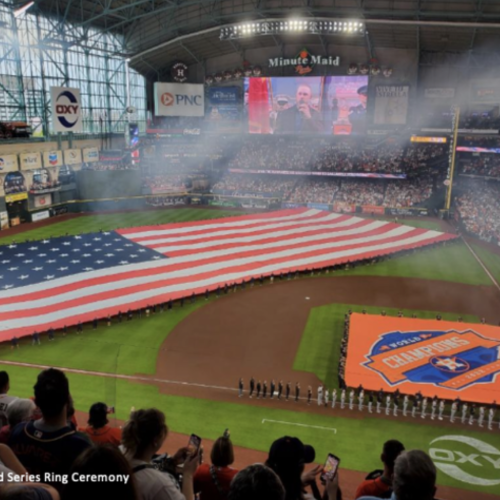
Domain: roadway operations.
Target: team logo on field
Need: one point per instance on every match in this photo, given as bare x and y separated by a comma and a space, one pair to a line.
448, 359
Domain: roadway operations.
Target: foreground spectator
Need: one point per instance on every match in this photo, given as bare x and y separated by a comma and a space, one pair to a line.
379, 483
142, 437
5, 399
414, 477
287, 457
20, 410
10, 464
99, 430
212, 481
256, 482
108, 460
50, 444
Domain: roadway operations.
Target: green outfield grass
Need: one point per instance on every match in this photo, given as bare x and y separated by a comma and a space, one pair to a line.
358, 441
454, 262
319, 348
127, 348
490, 260
109, 222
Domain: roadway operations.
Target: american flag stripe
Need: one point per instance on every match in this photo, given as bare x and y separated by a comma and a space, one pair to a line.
317, 241
182, 268
79, 285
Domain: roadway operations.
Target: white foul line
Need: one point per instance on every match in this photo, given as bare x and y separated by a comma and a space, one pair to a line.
301, 425
481, 263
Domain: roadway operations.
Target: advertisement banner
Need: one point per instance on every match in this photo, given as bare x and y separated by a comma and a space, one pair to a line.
66, 108
43, 200
372, 209
407, 211
343, 207
487, 90
291, 205
40, 216
439, 93
11, 198
224, 109
90, 155
8, 163
72, 156
316, 173
4, 220
179, 99
319, 206
391, 104
52, 159
30, 161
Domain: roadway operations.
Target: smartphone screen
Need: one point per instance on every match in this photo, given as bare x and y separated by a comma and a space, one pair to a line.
330, 468
194, 443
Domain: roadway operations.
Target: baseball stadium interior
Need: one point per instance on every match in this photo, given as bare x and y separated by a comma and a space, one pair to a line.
250, 249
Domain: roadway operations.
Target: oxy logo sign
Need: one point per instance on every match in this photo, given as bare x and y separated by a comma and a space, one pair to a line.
448, 359
66, 109
466, 459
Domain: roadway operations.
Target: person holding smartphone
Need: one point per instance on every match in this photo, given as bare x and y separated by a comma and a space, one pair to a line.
142, 438
212, 482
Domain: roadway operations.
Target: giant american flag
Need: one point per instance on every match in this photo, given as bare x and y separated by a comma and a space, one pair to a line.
62, 281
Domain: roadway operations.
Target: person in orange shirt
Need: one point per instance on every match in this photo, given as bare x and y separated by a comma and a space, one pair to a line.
379, 483
99, 430
212, 481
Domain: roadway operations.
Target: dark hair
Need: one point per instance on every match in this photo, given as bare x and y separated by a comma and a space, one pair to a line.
98, 415
107, 460
4, 379
51, 392
142, 429
256, 481
392, 449
222, 453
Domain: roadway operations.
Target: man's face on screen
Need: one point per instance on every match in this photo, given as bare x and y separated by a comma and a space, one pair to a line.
304, 94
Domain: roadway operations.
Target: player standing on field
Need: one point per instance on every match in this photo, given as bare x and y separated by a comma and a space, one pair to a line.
464, 413
326, 397
454, 408
334, 397
252, 386
351, 400
320, 394
405, 404
441, 409
481, 416
424, 407
388, 404
434, 407
280, 389
288, 388
342, 399
361, 398
240, 387
309, 394
271, 389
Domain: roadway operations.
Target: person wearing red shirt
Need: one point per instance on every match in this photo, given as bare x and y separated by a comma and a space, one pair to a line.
379, 483
212, 481
99, 430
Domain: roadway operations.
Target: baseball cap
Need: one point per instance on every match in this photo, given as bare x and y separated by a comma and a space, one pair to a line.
291, 450
363, 90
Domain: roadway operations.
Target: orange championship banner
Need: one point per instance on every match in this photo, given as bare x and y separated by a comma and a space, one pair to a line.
438, 358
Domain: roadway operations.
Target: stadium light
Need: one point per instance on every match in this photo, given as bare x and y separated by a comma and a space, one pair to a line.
19, 12
274, 27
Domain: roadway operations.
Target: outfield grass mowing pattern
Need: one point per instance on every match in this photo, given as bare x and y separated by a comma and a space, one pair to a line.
490, 260
319, 349
128, 348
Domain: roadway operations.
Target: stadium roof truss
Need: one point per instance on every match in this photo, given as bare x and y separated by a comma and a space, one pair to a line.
154, 33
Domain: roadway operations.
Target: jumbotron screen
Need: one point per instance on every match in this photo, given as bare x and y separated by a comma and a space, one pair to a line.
327, 105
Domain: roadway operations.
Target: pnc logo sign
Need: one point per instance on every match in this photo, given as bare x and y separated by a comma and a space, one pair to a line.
67, 109
168, 99
466, 459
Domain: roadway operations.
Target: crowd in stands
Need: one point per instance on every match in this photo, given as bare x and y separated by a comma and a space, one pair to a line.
393, 193
478, 209
491, 141
407, 193
357, 192
485, 165
314, 190
53, 458
14, 184
241, 185
319, 154
439, 117
165, 184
